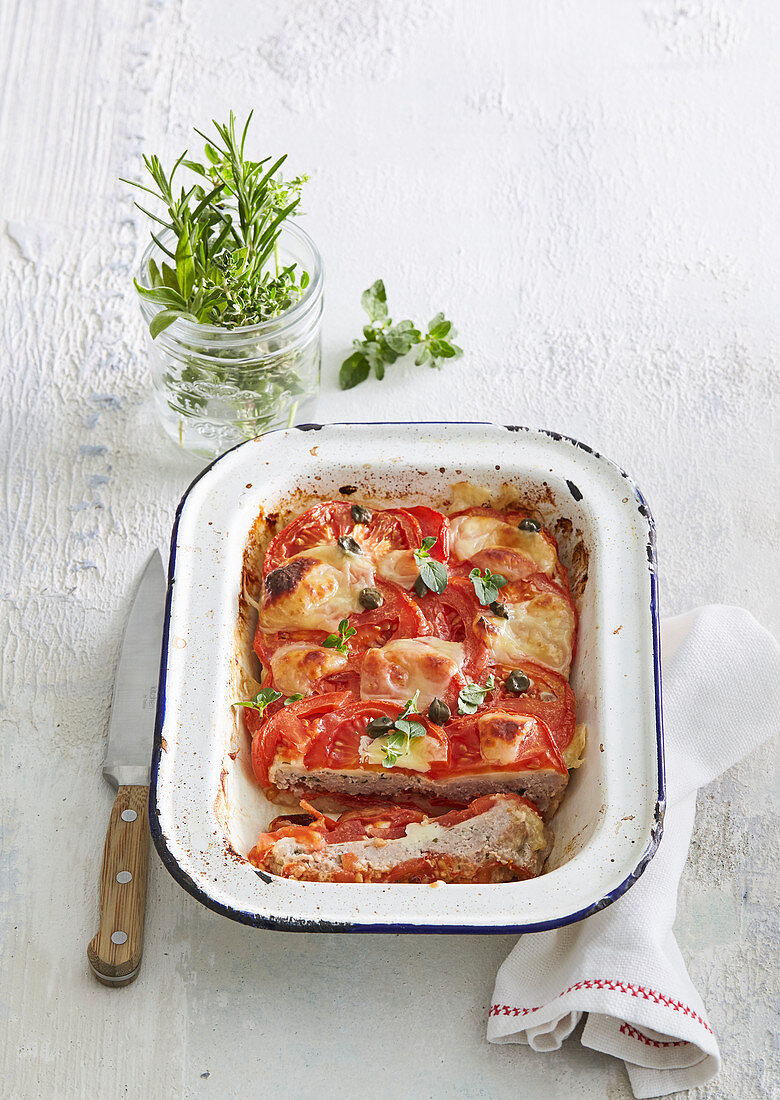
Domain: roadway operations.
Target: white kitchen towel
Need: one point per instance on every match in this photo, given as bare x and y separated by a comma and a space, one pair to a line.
622, 966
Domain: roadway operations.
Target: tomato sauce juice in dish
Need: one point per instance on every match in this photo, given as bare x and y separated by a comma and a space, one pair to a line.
415, 675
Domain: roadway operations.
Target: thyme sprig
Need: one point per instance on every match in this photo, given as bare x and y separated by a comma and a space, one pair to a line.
226, 224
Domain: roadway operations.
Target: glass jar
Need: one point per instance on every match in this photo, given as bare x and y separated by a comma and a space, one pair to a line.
215, 387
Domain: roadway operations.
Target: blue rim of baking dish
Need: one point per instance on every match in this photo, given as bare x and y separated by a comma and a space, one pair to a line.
300, 924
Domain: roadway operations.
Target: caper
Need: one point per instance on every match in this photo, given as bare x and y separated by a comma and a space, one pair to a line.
378, 727
420, 587
349, 546
529, 525
371, 599
360, 514
499, 609
439, 712
517, 682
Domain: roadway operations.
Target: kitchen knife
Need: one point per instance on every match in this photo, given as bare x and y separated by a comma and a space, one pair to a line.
115, 952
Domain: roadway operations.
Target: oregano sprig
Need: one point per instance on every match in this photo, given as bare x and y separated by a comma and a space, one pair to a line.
486, 585
433, 573
406, 731
384, 342
472, 696
340, 640
259, 702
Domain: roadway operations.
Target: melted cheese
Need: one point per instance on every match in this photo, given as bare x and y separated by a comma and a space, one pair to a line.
575, 750
502, 735
540, 629
470, 534
421, 753
398, 566
399, 669
315, 590
423, 832
511, 564
299, 666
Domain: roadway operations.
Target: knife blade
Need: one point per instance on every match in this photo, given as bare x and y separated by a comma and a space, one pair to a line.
115, 952
134, 704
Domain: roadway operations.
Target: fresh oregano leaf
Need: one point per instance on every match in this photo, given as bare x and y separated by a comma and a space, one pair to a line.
374, 301
433, 573
354, 370
402, 337
340, 641
396, 744
259, 702
439, 327
374, 357
486, 585
472, 696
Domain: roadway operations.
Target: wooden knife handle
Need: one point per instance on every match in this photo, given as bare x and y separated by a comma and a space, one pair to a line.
115, 952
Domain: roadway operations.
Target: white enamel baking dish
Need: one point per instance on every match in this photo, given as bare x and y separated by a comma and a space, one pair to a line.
205, 807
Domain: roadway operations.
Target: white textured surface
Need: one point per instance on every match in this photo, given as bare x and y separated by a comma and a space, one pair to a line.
591, 191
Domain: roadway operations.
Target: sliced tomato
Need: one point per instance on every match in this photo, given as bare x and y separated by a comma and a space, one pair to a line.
266, 643
398, 617
385, 821
451, 615
433, 524
418, 870
549, 697
480, 806
538, 750
292, 728
337, 744
542, 625
464, 744
255, 719
325, 522
389, 529
511, 562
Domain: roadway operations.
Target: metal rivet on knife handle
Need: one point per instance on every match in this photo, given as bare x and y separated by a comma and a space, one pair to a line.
115, 952
114, 960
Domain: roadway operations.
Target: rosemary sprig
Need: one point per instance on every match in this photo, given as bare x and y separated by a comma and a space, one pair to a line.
226, 224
